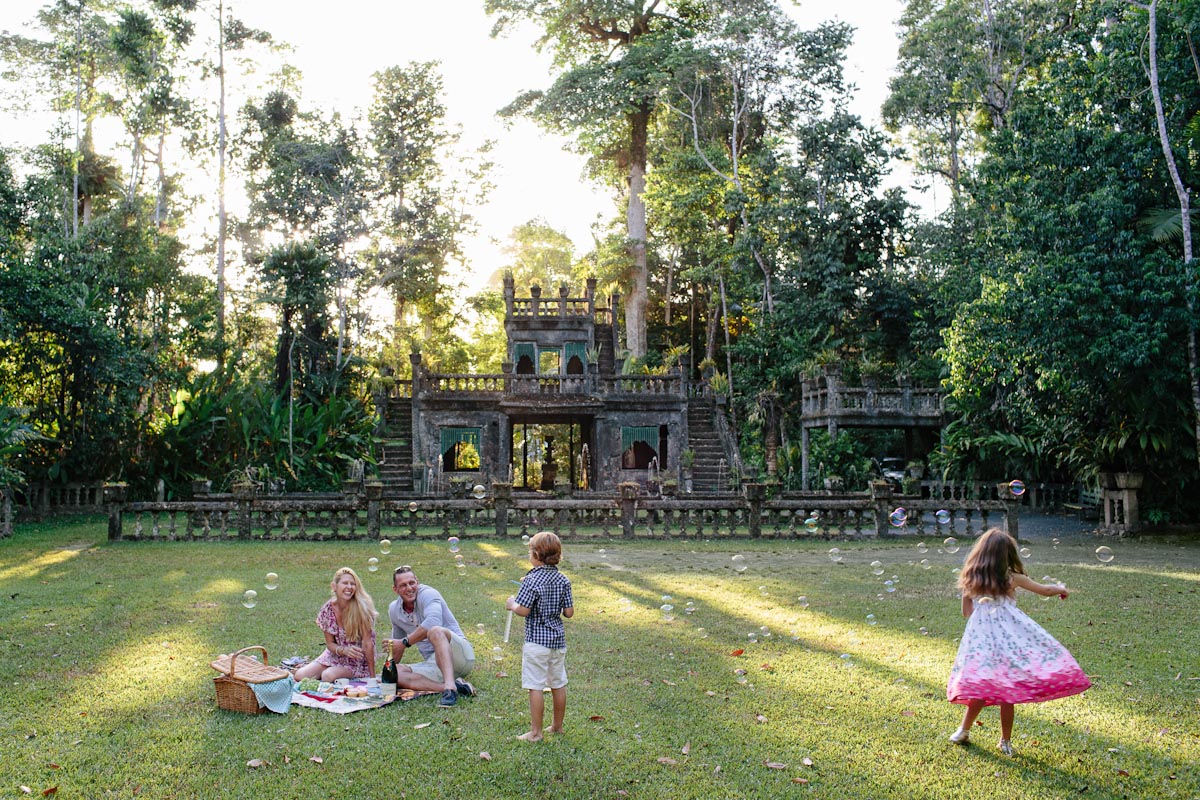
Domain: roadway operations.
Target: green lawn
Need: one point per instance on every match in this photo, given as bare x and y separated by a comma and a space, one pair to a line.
109, 691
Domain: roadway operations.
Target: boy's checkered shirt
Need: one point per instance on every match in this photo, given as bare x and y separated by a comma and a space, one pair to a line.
545, 592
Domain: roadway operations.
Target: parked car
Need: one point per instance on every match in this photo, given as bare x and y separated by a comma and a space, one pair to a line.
892, 471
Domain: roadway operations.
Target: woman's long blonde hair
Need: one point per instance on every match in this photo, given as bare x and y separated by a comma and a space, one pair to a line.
358, 620
990, 566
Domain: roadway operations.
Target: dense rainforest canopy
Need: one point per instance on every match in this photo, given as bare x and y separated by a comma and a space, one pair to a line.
149, 333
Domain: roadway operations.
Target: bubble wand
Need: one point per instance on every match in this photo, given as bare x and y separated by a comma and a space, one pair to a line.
508, 624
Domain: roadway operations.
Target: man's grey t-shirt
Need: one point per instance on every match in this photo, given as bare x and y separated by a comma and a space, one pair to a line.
430, 610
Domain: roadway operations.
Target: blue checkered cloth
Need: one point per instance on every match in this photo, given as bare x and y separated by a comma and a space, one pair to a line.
275, 695
545, 592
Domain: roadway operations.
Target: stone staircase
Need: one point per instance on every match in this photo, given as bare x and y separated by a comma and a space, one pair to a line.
710, 470
396, 452
604, 340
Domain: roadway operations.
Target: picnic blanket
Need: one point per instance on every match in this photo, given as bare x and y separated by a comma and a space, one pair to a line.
328, 697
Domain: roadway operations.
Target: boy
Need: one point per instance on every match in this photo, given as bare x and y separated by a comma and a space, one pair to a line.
545, 594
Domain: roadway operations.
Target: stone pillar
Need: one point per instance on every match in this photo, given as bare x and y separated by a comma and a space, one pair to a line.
114, 501
535, 304
502, 498
243, 495
6, 513
562, 301
755, 493
804, 459
374, 490
881, 494
629, 496
1011, 504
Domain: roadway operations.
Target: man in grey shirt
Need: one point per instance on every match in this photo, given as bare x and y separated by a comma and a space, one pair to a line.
420, 618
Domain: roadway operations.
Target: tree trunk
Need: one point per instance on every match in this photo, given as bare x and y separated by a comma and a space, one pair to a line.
221, 215
636, 299
1185, 218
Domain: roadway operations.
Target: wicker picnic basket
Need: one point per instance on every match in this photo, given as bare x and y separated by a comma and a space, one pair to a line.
233, 685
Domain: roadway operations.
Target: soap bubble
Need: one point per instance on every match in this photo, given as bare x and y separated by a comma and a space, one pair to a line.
1016, 488
812, 524
453, 542
703, 634
413, 506
835, 555
497, 653
1048, 579
271, 581
479, 628
739, 563
763, 591
753, 637
525, 539
871, 619
250, 598
877, 567
942, 516
479, 491
925, 563
689, 608
951, 544
922, 548
765, 631
373, 564
1025, 552
666, 609
385, 546
803, 601
899, 518
1054, 542
983, 600
603, 553
924, 631
890, 585
1105, 554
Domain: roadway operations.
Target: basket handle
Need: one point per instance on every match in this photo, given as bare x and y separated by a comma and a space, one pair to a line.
233, 657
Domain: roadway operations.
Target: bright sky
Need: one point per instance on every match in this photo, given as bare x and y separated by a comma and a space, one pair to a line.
339, 46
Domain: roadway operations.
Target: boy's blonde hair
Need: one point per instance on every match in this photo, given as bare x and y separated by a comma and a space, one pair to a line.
546, 548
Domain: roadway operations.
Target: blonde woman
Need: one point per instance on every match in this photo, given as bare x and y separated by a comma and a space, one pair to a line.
348, 621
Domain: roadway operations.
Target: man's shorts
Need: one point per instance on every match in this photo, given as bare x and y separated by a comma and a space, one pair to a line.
542, 666
461, 653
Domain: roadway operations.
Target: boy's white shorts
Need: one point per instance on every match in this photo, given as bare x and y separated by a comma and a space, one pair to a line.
543, 667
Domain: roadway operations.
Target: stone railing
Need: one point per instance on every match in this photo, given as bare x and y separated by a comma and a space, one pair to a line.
48, 499
501, 513
671, 385
465, 383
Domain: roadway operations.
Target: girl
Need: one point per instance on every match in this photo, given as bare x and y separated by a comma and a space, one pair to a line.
1004, 656
348, 621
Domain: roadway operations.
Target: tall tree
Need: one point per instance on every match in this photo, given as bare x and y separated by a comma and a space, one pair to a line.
610, 57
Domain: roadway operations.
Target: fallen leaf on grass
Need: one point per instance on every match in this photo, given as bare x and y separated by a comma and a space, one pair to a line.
908, 713
669, 683
806, 761
485, 755
767, 667
51, 791
596, 718
737, 652
760, 719
667, 760
1123, 773
287, 759
317, 760
799, 780
255, 763
25, 789
422, 725
774, 765
52, 765
687, 748
710, 693
739, 672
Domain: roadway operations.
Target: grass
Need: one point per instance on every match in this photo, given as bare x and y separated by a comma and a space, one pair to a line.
109, 694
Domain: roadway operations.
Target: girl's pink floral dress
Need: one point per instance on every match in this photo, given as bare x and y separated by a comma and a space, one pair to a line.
1006, 657
327, 619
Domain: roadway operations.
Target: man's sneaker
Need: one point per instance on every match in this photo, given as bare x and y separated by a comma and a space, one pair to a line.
449, 698
464, 688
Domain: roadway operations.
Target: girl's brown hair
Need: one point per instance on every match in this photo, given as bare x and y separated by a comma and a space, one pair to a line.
358, 620
990, 565
546, 548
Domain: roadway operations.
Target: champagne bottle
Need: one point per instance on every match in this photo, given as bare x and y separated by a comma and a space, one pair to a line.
389, 672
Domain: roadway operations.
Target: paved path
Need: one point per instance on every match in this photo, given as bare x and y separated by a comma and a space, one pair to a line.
1034, 525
